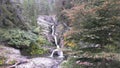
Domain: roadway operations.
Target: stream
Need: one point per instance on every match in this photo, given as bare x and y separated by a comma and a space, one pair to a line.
53, 34
52, 24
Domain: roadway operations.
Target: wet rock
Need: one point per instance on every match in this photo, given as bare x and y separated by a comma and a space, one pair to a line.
11, 55
40, 63
16, 60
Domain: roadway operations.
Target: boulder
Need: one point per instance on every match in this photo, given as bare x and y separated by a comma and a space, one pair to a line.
11, 55
14, 59
40, 62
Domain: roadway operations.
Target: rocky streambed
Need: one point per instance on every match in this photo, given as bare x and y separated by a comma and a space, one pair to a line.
12, 58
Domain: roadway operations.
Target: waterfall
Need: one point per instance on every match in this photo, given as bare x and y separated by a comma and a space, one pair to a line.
58, 48
50, 21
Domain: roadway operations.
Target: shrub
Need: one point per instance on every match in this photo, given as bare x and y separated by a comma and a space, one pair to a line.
93, 63
95, 22
22, 39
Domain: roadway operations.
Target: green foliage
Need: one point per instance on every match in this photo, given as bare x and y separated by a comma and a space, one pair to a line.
34, 8
11, 15
92, 50
35, 50
103, 27
2, 60
30, 12
96, 63
19, 37
71, 63
95, 22
18, 31
112, 48
24, 39
37, 30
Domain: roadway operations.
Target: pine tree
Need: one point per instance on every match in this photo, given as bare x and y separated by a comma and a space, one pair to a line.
11, 15
96, 22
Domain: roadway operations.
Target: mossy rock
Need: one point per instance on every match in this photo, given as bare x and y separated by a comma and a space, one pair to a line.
12, 62
2, 60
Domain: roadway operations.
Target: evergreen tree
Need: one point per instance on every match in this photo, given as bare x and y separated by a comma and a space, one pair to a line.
11, 15
96, 22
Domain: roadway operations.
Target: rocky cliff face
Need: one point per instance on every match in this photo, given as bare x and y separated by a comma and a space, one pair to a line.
53, 30
46, 22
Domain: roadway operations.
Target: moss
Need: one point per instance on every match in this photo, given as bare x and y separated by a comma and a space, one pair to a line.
2, 60
12, 62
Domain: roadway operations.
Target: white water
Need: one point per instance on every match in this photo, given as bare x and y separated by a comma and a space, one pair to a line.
42, 21
58, 49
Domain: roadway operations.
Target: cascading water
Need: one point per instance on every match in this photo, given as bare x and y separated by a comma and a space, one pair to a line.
58, 47
50, 21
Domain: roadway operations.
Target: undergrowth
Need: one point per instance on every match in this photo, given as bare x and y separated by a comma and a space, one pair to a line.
21, 39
